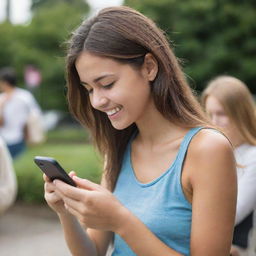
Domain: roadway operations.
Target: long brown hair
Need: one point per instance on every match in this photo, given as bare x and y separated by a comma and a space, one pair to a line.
237, 102
126, 35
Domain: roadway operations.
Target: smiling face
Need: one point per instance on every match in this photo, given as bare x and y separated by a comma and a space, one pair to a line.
120, 91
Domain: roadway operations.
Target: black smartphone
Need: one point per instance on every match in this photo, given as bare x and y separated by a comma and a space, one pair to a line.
53, 170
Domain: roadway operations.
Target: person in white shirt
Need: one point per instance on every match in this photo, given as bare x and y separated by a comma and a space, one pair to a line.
15, 107
8, 182
230, 106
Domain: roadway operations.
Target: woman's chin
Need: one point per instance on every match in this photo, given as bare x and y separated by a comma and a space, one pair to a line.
120, 126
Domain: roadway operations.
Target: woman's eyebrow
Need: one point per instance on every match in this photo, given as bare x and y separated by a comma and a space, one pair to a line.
97, 79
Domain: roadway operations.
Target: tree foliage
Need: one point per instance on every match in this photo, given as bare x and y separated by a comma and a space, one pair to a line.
37, 4
41, 43
211, 37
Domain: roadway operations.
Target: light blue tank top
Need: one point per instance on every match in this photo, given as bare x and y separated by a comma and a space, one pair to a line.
161, 204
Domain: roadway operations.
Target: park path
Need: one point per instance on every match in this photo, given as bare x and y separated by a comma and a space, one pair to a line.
34, 230
31, 230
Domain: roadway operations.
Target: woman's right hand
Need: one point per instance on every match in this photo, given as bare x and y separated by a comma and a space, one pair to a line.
52, 198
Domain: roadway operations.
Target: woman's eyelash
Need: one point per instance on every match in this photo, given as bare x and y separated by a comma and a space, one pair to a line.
108, 85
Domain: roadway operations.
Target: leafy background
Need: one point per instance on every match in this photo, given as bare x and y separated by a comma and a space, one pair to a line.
210, 37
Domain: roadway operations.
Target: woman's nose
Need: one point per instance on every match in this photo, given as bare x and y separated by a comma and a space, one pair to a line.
98, 100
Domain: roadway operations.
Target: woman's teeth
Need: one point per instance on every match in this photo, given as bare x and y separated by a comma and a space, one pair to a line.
113, 111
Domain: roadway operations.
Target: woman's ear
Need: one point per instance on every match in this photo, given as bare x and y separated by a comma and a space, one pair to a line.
150, 66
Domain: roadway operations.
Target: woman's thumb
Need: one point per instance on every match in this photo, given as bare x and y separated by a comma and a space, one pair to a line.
72, 174
86, 184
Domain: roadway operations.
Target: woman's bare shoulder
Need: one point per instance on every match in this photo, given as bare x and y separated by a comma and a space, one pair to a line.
209, 142
209, 153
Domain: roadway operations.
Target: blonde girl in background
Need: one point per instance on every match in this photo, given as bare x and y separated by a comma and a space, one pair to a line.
230, 106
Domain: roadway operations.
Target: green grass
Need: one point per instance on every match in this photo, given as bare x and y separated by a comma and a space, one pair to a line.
77, 156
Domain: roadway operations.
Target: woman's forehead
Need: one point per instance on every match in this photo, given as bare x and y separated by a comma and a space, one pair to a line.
91, 66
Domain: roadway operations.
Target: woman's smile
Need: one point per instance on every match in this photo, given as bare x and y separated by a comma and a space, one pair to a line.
128, 97
113, 111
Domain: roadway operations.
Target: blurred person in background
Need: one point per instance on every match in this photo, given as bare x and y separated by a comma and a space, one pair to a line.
8, 184
16, 105
230, 105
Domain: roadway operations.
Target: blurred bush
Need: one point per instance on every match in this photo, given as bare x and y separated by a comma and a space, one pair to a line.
67, 135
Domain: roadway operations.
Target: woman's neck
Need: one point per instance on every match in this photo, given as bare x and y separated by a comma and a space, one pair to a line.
154, 129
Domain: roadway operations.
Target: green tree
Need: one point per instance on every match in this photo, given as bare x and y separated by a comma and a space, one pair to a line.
47, 32
37, 4
41, 43
211, 37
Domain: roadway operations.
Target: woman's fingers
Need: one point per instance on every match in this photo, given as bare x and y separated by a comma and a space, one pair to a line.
47, 188
75, 206
69, 191
86, 184
80, 217
79, 210
52, 197
75, 199
72, 174
46, 179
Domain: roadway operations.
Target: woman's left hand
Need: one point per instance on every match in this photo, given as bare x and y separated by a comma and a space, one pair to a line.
93, 205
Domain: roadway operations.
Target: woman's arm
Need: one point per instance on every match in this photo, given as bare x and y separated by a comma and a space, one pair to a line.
77, 239
212, 172
80, 240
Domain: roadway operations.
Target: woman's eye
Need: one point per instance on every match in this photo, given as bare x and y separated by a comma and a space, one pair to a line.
108, 86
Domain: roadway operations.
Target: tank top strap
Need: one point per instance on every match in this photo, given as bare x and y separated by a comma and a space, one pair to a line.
185, 143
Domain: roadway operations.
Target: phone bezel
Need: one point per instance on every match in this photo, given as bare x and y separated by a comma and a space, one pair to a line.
53, 169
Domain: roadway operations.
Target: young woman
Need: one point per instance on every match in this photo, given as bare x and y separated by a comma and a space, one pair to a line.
169, 186
230, 105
